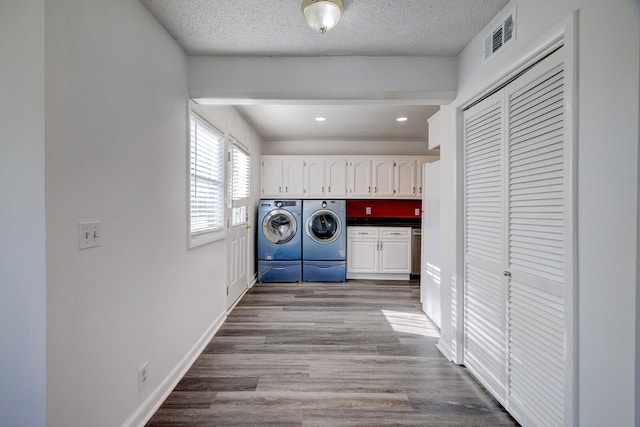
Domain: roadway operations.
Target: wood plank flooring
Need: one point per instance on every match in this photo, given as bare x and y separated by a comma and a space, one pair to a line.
359, 353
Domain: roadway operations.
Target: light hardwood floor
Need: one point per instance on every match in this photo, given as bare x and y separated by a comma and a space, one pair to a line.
359, 353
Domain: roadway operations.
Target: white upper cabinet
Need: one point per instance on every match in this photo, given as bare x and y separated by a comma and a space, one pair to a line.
359, 178
282, 177
405, 178
383, 178
314, 185
335, 178
293, 177
339, 177
419, 169
271, 184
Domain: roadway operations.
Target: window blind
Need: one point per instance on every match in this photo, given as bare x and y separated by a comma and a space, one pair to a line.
240, 183
207, 178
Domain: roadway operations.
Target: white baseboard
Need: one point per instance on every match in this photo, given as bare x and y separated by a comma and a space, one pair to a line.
379, 276
151, 404
253, 280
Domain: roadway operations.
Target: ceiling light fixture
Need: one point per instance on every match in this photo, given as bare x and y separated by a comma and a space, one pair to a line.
401, 119
322, 15
320, 119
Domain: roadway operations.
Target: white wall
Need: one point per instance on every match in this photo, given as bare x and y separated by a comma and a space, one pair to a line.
608, 87
380, 148
22, 215
431, 262
116, 151
449, 153
259, 79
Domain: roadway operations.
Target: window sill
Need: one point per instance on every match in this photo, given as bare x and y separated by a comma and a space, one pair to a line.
204, 239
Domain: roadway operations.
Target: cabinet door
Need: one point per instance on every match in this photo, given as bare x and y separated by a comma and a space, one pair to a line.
383, 177
419, 181
314, 178
405, 178
271, 179
362, 250
395, 256
359, 178
293, 174
335, 177
395, 250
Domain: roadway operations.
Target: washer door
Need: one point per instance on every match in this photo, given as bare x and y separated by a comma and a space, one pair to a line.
324, 226
279, 226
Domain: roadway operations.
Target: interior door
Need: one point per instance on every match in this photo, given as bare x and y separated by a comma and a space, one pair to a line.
485, 291
238, 225
538, 255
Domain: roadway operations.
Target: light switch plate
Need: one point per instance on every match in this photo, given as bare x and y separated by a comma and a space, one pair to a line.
89, 234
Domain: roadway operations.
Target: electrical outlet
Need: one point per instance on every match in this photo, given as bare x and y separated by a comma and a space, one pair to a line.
367, 210
417, 212
89, 234
142, 376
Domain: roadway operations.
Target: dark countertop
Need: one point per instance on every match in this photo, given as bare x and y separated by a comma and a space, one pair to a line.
383, 222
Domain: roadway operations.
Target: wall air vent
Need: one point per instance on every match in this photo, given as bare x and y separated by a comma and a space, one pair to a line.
500, 37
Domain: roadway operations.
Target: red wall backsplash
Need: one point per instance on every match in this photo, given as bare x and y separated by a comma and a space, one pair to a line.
384, 208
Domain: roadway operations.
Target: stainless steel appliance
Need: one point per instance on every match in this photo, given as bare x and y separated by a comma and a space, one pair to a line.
416, 244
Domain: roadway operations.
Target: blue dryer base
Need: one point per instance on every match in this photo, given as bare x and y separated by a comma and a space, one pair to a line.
280, 271
324, 271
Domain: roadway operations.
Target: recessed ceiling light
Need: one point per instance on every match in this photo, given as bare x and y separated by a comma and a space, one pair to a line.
320, 119
401, 119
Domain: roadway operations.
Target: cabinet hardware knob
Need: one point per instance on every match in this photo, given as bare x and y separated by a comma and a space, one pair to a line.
506, 273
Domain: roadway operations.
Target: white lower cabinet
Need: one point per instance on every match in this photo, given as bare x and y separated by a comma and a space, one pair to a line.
378, 252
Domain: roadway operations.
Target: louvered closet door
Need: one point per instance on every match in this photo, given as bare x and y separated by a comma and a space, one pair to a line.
537, 246
485, 343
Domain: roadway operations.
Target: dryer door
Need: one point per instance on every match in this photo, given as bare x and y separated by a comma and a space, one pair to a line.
279, 226
324, 226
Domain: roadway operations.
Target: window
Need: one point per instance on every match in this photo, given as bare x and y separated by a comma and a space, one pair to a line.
206, 207
239, 183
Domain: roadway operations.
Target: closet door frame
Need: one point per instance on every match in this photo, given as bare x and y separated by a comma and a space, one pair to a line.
565, 33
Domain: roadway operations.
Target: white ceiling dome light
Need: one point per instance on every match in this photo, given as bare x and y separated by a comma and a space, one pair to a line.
322, 15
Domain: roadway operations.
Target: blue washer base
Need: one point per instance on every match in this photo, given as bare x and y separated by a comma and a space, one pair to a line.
324, 271
279, 271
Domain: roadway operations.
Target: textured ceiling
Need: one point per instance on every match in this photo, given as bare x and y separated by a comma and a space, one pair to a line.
367, 28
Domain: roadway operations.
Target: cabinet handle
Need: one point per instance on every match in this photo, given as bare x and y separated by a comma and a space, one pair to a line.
394, 191
369, 189
280, 189
414, 189
329, 190
286, 189
323, 189
395, 234
506, 273
375, 189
